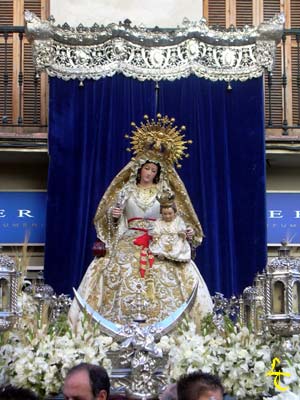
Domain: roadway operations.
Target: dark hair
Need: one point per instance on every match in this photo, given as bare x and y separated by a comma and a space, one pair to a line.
10, 392
157, 176
99, 379
195, 384
169, 393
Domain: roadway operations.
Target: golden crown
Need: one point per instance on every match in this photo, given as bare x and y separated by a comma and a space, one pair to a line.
166, 199
159, 139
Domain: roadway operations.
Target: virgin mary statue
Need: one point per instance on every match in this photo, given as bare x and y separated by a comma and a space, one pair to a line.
123, 221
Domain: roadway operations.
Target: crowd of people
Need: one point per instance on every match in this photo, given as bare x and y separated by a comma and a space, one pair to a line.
91, 382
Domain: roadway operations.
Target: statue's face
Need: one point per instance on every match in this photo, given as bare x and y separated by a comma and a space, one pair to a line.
168, 214
148, 173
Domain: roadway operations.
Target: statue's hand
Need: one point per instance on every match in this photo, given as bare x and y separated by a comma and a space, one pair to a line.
189, 233
182, 234
116, 212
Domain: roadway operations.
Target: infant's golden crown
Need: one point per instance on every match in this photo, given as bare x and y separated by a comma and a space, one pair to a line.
166, 199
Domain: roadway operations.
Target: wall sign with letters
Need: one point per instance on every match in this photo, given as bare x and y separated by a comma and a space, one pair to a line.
22, 214
283, 217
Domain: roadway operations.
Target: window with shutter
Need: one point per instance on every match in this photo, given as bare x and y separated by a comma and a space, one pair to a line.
216, 13
6, 68
249, 12
295, 56
32, 89
244, 11
295, 13
33, 6
6, 12
296, 85
275, 118
23, 104
271, 7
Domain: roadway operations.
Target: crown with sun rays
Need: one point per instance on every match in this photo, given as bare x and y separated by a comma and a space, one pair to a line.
159, 140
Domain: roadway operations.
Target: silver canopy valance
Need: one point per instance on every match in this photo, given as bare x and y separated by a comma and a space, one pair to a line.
156, 54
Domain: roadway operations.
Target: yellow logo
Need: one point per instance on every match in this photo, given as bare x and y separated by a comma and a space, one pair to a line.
277, 375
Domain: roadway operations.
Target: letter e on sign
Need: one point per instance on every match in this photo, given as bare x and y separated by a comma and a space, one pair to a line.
275, 214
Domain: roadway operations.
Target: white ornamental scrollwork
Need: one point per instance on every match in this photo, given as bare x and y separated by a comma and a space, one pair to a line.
144, 54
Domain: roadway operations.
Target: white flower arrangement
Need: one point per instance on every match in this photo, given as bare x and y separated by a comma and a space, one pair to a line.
39, 359
42, 362
240, 358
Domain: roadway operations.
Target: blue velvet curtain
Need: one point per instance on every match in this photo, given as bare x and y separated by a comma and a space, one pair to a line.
225, 174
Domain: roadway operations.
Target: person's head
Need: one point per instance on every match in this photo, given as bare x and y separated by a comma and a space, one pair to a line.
169, 393
148, 173
10, 392
168, 212
86, 382
199, 386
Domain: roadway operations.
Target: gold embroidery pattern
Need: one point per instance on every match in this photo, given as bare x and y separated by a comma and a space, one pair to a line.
145, 196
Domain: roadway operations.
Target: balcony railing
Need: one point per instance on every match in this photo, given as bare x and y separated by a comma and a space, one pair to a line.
23, 93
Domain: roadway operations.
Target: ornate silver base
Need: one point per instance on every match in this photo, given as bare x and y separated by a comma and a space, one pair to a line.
286, 326
138, 365
7, 320
143, 381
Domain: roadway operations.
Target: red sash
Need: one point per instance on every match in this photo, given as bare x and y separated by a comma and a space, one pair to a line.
146, 257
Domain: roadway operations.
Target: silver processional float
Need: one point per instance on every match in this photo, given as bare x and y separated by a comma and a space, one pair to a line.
138, 366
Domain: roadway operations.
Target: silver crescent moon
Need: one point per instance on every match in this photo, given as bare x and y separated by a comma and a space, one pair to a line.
120, 332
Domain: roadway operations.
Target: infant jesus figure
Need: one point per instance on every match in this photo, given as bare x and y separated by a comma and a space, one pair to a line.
169, 233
